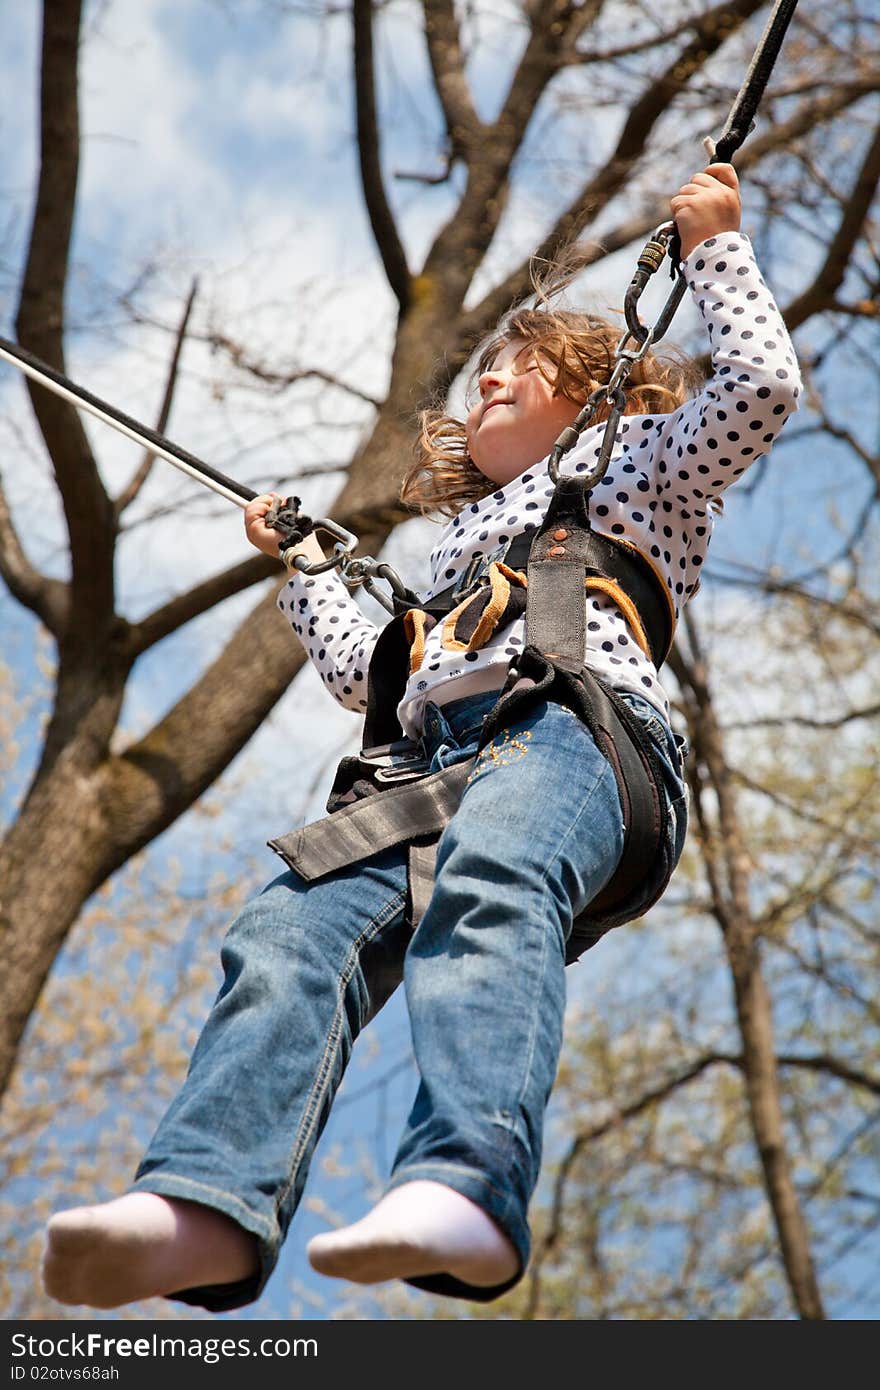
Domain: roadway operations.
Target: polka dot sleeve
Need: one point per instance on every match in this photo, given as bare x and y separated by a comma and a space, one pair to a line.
337, 636
709, 442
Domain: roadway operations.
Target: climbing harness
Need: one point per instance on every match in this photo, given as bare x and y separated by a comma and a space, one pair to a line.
386, 795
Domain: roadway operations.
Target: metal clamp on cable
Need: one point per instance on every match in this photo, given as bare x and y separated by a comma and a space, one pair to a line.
353, 570
342, 550
402, 597
287, 518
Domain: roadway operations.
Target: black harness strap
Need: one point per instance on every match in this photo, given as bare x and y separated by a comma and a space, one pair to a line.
620, 738
556, 621
604, 557
390, 657
552, 667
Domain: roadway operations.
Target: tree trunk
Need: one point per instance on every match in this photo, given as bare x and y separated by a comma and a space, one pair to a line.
51, 857
765, 1112
728, 873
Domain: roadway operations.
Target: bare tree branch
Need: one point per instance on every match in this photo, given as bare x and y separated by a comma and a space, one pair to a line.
44, 596
40, 320
200, 599
647, 1100
129, 493
381, 218
826, 426
802, 721
823, 289
771, 584
517, 285
239, 357
463, 126
753, 1010
587, 56
710, 32
584, 1137
155, 779
459, 246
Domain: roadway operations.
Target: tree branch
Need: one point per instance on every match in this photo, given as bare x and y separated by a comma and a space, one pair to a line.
579, 57
281, 380
824, 1062
821, 294
459, 246
826, 426
40, 322
710, 32
200, 599
128, 495
157, 778
649, 1098
463, 126
819, 1062
807, 117
381, 218
45, 597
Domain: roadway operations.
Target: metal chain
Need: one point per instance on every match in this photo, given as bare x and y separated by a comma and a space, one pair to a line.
625, 358
354, 570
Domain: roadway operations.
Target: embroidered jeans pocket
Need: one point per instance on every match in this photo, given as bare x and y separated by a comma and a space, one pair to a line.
505, 748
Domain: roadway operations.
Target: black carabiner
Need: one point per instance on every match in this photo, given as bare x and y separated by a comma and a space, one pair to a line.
648, 264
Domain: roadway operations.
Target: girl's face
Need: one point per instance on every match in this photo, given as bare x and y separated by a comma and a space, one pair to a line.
517, 419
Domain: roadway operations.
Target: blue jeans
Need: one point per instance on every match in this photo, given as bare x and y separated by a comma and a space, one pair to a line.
537, 834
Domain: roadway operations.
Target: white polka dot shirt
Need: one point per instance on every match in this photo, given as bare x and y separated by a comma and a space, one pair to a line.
664, 473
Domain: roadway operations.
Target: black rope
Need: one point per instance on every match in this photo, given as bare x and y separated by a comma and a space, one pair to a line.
742, 114
739, 123
150, 436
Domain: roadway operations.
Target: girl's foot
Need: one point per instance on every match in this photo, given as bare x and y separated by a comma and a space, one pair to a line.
416, 1229
141, 1246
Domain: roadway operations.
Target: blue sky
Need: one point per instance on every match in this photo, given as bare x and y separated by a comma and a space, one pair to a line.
218, 145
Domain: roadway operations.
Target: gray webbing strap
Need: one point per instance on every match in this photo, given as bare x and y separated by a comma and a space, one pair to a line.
422, 865
375, 823
556, 609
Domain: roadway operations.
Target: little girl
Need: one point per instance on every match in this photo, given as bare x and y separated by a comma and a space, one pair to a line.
536, 836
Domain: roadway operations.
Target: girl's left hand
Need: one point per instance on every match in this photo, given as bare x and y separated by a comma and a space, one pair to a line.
256, 530
708, 204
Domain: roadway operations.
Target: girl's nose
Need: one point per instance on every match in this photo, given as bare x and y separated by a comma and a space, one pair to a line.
489, 381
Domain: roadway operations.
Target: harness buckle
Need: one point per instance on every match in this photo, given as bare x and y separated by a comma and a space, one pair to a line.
400, 761
478, 569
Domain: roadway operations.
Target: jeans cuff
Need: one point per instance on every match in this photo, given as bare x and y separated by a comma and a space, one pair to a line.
496, 1203
218, 1298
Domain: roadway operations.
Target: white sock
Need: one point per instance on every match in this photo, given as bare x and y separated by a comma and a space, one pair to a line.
416, 1229
139, 1246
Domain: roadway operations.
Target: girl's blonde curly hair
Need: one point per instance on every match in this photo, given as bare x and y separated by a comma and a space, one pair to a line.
574, 352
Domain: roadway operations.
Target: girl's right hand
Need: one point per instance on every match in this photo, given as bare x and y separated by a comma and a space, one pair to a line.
709, 204
258, 533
